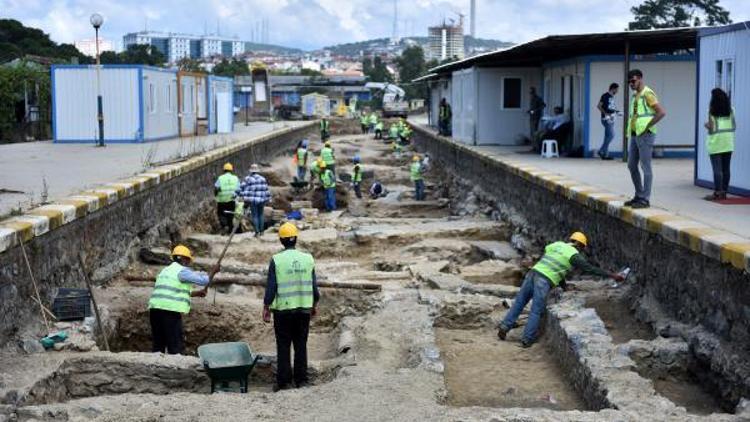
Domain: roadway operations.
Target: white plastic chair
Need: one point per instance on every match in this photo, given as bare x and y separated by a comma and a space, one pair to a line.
549, 148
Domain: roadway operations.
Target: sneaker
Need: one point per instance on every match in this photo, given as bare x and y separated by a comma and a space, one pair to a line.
301, 384
526, 344
632, 201
607, 158
642, 203
501, 333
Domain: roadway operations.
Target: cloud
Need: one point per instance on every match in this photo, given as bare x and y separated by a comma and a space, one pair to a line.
316, 23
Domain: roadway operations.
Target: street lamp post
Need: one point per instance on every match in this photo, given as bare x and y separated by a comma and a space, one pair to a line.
96, 21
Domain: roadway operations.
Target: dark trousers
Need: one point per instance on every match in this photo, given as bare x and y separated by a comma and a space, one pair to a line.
358, 190
720, 164
378, 134
166, 331
291, 329
225, 220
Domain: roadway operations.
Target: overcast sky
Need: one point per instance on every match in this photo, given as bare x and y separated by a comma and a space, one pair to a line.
310, 24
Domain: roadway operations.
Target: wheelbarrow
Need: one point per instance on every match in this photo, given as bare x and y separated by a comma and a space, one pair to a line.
227, 363
299, 186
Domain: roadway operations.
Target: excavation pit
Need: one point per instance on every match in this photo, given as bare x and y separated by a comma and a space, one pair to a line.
480, 370
619, 320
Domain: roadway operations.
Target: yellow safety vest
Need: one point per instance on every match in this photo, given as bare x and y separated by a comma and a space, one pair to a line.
416, 171
294, 281
327, 155
643, 113
170, 294
721, 139
328, 179
555, 263
228, 184
357, 174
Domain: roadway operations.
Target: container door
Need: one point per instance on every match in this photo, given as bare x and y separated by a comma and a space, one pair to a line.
223, 112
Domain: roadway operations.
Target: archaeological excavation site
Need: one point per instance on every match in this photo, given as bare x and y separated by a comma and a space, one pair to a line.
411, 294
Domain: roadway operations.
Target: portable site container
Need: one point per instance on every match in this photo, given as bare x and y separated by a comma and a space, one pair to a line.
220, 104
724, 62
316, 105
139, 103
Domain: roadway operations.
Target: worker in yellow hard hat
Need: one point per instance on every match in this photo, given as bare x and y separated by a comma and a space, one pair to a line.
329, 186
224, 189
415, 173
549, 272
292, 295
328, 156
171, 298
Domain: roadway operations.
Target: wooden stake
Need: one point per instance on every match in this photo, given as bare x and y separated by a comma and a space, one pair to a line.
33, 281
93, 299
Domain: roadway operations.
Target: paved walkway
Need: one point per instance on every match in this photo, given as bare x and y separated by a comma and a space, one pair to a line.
673, 188
70, 168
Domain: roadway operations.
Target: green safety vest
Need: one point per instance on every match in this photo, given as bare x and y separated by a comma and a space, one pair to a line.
301, 153
379, 126
644, 113
373, 119
416, 171
555, 263
228, 184
393, 131
329, 181
314, 169
327, 155
357, 175
363, 119
722, 137
170, 294
444, 114
324, 125
294, 280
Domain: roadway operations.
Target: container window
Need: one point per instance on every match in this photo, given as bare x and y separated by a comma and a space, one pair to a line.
168, 97
151, 98
729, 82
511, 93
719, 74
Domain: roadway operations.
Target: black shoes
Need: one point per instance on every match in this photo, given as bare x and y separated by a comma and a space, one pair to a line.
526, 344
501, 333
637, 203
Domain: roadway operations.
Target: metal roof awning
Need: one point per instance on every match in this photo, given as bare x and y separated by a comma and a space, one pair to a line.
558, 47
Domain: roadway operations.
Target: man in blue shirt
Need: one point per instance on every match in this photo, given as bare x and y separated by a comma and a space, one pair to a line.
255, 193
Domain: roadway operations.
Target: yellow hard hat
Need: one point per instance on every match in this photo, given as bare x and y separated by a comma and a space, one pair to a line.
580, 238
288, 230
322, 164
328, 144
183, 251
415, 158
228, 167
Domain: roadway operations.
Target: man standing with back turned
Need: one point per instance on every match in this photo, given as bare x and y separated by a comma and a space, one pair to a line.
645, 113
292, 294
549, 272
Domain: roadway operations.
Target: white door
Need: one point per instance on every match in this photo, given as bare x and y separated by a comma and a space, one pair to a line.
223, 113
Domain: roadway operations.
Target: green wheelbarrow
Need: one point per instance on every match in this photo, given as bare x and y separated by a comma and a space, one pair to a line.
228, 363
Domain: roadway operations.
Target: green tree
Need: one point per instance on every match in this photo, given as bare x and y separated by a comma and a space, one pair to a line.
16, 81
411, 65
17, 40
378, 72
135, 54
231, 68
186, 64
654, 14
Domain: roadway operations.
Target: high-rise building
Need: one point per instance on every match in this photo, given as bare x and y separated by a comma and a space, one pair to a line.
88, 46
445, 42
178, 46
473, 17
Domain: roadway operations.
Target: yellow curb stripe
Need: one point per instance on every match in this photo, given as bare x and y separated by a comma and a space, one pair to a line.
655, 223
691, 238
55, 217
25, 230
737, 254
103, 198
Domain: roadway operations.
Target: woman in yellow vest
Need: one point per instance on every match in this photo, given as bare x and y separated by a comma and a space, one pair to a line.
291, 294
720, 141
171, 298
549, 272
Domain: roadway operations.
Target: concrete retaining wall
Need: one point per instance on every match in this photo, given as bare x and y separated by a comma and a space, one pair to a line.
106, 222
698, 275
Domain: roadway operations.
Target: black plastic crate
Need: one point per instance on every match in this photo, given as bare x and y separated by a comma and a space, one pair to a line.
72, 304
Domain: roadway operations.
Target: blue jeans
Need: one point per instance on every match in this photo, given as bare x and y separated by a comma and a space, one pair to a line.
535, 286
419, 190
640, 150
301, 172
609, 134
257, 216
330, 199
358, 190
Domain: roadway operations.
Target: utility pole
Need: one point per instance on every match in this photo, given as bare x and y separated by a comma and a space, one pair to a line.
96, 21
